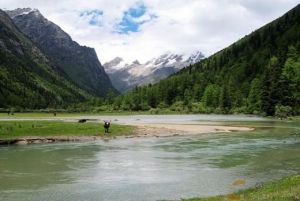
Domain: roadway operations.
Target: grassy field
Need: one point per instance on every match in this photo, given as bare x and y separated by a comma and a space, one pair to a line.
18, 129
287, 189
65, 114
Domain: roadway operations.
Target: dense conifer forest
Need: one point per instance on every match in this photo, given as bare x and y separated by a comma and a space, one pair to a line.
258, 74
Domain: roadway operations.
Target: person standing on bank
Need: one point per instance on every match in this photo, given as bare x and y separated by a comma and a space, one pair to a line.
106, 126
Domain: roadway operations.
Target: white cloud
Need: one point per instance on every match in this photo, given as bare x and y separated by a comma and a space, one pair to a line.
180, 26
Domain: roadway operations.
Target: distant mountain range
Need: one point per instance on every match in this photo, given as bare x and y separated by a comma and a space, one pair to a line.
126, 76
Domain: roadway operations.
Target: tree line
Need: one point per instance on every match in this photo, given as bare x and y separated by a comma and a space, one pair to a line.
259, 74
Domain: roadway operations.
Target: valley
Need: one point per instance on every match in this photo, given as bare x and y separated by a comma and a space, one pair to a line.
176, 100
151, 167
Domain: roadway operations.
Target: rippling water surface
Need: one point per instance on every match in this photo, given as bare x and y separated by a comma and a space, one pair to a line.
152, 168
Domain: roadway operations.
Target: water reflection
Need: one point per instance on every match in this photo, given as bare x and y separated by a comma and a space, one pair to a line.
37, 166
150, 168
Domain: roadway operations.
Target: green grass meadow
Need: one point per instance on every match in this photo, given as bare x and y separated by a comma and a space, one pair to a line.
19, 129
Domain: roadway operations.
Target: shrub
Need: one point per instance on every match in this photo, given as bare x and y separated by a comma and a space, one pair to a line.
162, 105
282, 111
178, 106
154, 111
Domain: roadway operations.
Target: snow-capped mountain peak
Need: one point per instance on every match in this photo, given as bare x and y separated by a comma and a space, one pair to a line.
195, 57
126, 76
114, 65
136, 62
22, 11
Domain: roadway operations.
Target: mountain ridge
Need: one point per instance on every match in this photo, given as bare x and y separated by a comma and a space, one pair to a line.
257, 74
27, 79
79, 63
127, 76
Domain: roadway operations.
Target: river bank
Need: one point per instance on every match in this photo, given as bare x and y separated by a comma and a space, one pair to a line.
134, 167
28, 131
287, 189
37, 131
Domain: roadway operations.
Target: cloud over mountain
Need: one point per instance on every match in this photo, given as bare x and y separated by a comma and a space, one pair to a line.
145, 29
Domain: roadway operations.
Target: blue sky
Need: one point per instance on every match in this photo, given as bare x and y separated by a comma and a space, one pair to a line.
95, 16
129, 21
143, 29
132, 20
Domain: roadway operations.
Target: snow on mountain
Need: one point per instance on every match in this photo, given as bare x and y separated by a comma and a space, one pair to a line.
114, 65
21, 11
126, 76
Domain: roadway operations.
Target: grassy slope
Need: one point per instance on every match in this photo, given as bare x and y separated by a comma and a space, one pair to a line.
287, 189
18, 129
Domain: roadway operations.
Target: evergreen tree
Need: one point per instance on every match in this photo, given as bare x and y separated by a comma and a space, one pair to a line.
224, 100
271, 87
254, 98
291, 78
211, 96
244, 74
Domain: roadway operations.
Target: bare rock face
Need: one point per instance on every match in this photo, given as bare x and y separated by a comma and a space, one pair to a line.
79, 63
127, 76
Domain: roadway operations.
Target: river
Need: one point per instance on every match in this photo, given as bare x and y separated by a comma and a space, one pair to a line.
153, 168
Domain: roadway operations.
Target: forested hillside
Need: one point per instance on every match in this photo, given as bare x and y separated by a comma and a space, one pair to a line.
79, 63
27, 77
254, 75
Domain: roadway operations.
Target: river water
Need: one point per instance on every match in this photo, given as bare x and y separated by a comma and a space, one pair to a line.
153, 168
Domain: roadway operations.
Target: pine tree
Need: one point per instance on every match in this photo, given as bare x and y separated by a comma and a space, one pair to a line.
224, 100
271, 87
254, 97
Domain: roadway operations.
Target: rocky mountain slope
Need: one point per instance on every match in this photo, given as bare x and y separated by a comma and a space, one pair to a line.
127, 76
79, 63
27, 77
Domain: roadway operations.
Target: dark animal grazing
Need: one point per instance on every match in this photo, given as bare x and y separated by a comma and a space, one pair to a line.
106, 126
81, 120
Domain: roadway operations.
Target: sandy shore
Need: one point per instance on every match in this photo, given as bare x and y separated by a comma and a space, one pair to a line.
141, 130
182, 129
164, 130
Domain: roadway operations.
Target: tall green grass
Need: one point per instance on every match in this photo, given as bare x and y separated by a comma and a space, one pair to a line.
287, 189
17, 129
